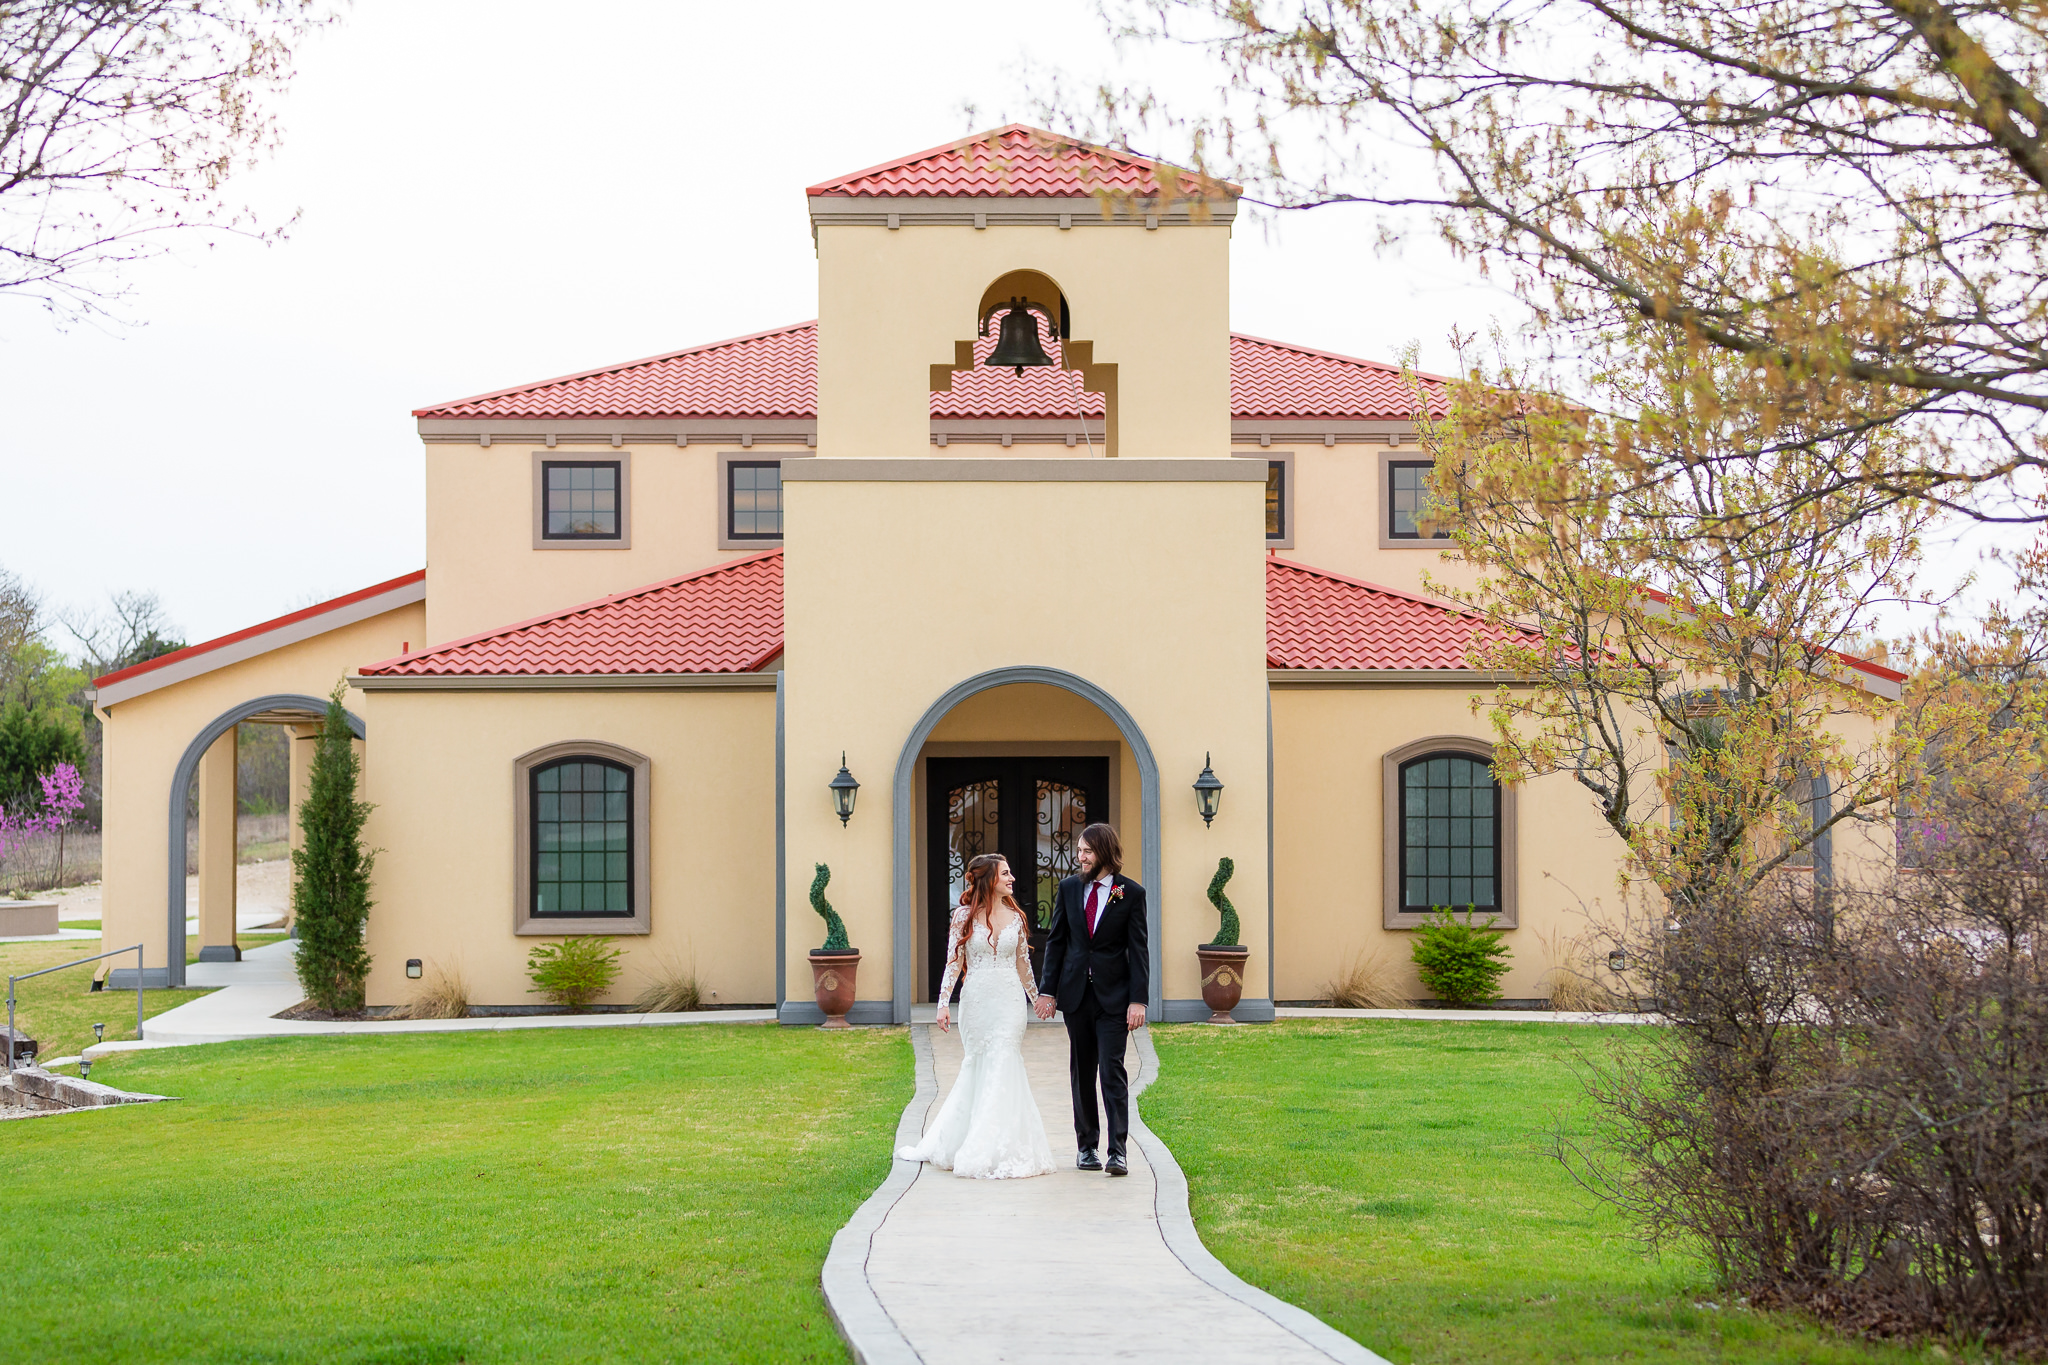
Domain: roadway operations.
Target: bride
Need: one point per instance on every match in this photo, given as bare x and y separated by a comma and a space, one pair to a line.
990, 1127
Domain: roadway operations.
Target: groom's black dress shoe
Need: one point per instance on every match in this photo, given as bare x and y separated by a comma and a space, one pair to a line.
1087, 1160
1116, 1165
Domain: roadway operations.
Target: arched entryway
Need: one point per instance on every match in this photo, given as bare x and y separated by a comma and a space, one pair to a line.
278, 708
904, 937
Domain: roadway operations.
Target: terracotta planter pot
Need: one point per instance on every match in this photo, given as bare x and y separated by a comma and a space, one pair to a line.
832, 977
1222, 979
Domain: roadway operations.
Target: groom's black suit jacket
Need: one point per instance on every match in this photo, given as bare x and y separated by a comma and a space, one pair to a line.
1116, 957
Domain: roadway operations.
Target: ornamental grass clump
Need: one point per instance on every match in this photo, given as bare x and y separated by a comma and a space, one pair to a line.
1460, 964
573, 972
331, 871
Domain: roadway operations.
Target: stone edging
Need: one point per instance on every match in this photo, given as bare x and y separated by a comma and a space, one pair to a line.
870, 1333
1177, 1227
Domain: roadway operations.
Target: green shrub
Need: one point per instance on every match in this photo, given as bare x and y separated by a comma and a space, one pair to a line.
573, 972
1227, 929
835, 928
331, 884
1460, 964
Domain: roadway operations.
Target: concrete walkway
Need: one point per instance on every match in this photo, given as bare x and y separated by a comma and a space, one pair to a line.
1070, 1266
264, 982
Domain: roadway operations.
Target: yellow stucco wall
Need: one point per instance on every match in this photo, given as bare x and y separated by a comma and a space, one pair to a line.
146, 735
443, 785
897, 591
1328, 743
1155, 304
482, 569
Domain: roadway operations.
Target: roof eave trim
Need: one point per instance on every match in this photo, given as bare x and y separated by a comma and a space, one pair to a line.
982, 211
1393, 677
565, 682
286, 630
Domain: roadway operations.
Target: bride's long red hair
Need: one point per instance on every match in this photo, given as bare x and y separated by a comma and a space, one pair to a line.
980, 896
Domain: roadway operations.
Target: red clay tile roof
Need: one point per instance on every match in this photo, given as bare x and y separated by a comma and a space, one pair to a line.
725, 619
728, 619
1018, 162
1272, 379
1316, 619
775, 374
768, 374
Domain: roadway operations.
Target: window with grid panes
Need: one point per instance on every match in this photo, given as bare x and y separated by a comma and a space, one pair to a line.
1276, 500
754, 500
582, 839
1408, 500
582, 500
1450, 834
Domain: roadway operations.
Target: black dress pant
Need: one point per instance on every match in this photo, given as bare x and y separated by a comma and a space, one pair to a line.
1095, 1050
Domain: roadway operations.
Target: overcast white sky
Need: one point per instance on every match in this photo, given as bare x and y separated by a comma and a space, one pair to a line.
495, 193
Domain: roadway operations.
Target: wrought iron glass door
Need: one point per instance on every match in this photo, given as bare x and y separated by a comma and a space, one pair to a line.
1030, 810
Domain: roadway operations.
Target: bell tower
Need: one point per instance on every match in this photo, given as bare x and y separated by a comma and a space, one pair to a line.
1099, 262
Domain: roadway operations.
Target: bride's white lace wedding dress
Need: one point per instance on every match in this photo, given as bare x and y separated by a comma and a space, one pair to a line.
990, 1127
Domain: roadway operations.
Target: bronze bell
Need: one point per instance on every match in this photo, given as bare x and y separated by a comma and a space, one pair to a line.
1017, 343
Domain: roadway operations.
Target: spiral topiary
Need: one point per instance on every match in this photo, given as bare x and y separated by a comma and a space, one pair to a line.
835, 928
1226, 933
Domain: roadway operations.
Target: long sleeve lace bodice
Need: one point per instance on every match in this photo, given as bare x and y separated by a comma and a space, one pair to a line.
969, 951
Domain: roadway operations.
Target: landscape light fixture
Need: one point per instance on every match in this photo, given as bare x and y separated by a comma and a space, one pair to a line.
99, 1033
412, 968
844, 790
1617, 960
1208, 792
85, 1068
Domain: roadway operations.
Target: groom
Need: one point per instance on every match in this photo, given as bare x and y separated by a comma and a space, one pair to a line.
1098, 968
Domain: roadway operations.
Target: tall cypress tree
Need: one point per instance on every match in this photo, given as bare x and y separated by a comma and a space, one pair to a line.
331, 893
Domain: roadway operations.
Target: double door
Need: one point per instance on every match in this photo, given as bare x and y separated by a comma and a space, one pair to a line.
1030, 810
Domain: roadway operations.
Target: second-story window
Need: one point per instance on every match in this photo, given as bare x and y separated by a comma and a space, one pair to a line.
753, 500
1276, 499
582, 500
1408, 500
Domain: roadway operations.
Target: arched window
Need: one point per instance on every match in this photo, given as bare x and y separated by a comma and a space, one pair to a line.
582, 813
582, 838
1449, 833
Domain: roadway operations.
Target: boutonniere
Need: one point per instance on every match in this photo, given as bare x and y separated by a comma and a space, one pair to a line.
1116, 893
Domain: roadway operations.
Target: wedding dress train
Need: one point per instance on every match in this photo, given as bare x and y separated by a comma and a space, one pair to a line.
989, 1127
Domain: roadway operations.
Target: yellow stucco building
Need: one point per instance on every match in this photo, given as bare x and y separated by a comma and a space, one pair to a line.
664, 601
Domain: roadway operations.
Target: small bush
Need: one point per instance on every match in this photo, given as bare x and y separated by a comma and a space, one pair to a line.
672, 989
444, 995
1367, 982
1460, 964
573, 972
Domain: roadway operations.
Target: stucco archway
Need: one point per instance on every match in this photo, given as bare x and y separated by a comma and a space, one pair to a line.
181, 783
905, 872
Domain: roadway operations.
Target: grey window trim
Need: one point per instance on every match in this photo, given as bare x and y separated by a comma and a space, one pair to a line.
1384, 511
1285, 459
1392, 913
726, 459
523, 920
563, 455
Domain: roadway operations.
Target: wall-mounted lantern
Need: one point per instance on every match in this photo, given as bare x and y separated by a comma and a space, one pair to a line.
1208, 792
412, 969
844, 790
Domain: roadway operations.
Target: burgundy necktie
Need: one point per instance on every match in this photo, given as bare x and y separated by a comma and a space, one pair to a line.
1094, 890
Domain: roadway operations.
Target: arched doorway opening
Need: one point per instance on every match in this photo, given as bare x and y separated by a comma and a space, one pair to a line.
1065, 779
283, 708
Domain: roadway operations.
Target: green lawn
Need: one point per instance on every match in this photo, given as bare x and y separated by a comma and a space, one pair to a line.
1396, 1179
545, 1195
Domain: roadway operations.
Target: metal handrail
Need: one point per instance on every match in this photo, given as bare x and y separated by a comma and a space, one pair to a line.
116, 952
